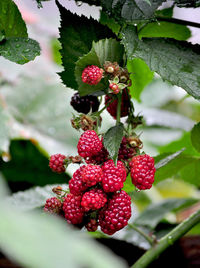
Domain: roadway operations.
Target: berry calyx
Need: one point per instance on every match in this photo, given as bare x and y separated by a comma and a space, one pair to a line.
53, 205
142, 171
89, 144
76, 184
93, 200
112, 107
91, 175
72, 208
92, 75
84, 104
115, 88
113, 176
117, 213
56, 163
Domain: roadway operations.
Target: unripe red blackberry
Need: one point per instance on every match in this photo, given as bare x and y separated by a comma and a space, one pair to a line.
72, 208
117, 213
125, 151
93, 199
113, 176
84, 104
91, 175
76, 185
115, 88
142, 171
92, 225
125, 105
89, 144
53, 205
56, 163
92, 75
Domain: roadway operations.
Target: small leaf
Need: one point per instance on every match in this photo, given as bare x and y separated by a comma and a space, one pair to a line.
20, 50
2, 36
195, 137
112, 140
167, 159
140, 76
11, 21
156, 212
165, 29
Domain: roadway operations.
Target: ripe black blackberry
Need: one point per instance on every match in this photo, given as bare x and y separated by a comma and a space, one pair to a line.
84, 104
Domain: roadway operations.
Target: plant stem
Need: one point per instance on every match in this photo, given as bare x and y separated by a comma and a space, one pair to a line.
148, 238
167, 240
177, 21
119, 97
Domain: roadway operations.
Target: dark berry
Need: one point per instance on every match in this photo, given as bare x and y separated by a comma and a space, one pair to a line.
72, 208
84, 104
125, 105
89, 144
113, 176
142, 171
117, 213
53, 205
92, 75
56, 163
92, 225
126, 152
93, 199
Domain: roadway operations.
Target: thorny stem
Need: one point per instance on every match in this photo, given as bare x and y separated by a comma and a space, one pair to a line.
148, 238
99, 112
178, 21
167, 240
119, 97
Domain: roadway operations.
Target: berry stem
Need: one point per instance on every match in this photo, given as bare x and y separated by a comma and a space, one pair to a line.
167, 241
119, 97
147, 237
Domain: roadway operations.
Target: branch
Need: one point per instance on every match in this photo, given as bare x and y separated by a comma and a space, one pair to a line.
167, 241
177, 21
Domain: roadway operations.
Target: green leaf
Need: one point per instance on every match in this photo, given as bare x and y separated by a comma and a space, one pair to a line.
42, 241
165, 29
28, 164
105, 19
191, 172
2, 36
76, 37
104, 50
166, 12
112, 140
20, 50
131, 10
167, 159
128, 185
11, 21
156, 212
173, 167
195, 137
175, 61
140, 77
32, 198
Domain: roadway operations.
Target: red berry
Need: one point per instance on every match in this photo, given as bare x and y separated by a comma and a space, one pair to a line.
89, 144
56, 163
142, 171
117, 213
125, 151
76, 185
91, 175
53, 205
113, 176
92, 75
125, 105
93, 200
72, 208
115, 88
92, 225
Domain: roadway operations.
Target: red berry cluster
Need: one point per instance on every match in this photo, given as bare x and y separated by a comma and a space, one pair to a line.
95, 197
